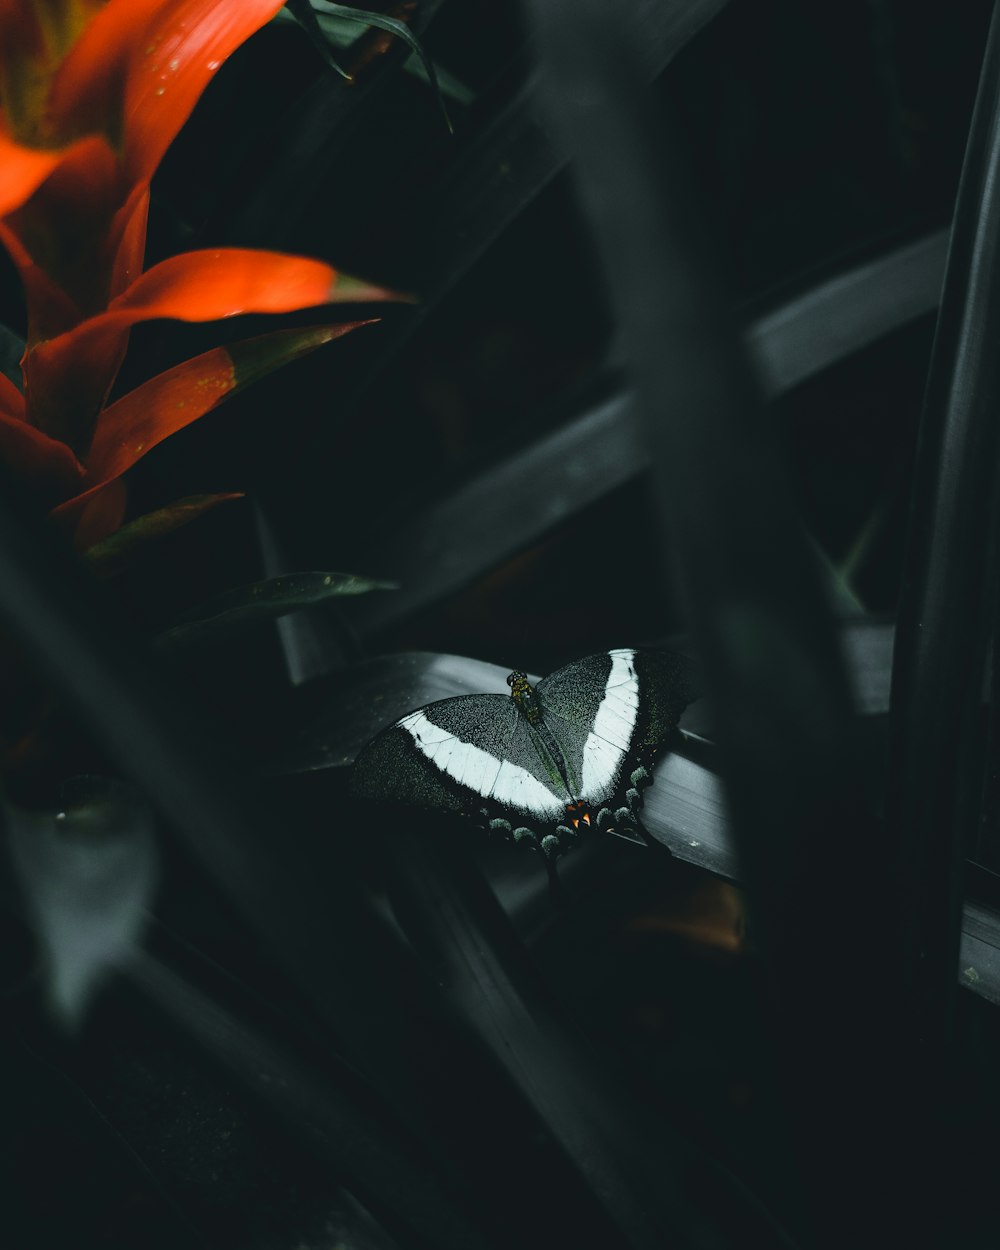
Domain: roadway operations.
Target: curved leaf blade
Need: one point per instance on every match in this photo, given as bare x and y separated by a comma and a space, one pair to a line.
157, 409
392, 26
305, 15
71, 373
119, 549
263, 601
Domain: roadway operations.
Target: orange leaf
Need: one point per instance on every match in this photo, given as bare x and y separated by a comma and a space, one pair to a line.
189, 41
49, 309
11, 399
159, 55
22, 169
209, 285
48, 466
167, 403
127, 241
64, 226
68, 377
100, 514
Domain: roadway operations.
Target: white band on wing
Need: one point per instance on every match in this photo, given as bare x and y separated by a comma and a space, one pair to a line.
609, 740
505, 782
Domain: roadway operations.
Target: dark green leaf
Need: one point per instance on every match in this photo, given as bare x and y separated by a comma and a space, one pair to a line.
115, 552
263, 601
305, 15
11, 351
310, 22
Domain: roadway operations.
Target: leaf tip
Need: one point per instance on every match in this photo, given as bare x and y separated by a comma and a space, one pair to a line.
345, 288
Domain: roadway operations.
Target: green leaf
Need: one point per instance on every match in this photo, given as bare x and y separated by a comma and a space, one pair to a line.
119, 549
311, 18
263, 601
255, 358
11, 351
447, 84
305, 15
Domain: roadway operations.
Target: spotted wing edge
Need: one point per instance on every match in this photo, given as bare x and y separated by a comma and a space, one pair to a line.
390, 769
668, 682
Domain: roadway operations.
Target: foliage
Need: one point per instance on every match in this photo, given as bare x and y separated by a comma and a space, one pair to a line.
301, 1020
92, 96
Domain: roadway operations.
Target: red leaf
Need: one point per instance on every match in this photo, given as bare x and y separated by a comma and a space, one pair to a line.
160, 54
131, 78
209, 285
127, 241
49, 309
99, 514
11, 399
167, 403
47, 466
63, 227
22, 169
68, 377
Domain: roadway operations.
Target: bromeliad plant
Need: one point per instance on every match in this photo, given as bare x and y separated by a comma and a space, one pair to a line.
92, 92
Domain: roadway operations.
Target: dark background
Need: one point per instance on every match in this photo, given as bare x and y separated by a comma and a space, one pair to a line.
819, 140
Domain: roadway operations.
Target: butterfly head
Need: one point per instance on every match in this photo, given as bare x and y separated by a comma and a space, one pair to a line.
523, 694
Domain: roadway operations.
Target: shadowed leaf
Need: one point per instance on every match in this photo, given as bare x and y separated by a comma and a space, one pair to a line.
101, 515
71, 373
26, 168
167, 403
310, 20
43, 462
159, 57
11, 351
264, 601
305, 15
88, 872
118, 550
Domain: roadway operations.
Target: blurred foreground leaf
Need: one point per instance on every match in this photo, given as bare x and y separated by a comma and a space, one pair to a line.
88, 872
263, 601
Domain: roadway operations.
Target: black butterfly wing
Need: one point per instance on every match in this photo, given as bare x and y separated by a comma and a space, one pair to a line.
610, 713
468, 754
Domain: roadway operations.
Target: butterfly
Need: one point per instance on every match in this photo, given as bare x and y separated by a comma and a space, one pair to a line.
546, 764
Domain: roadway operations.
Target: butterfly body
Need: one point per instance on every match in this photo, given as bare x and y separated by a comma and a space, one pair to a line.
545, 764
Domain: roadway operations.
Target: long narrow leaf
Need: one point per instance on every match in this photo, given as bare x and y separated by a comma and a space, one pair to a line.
304, 14
400, 29
311, 913
71, 372
112, 554
457, 925
263, 601
137, 422
945, 598
793, 770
